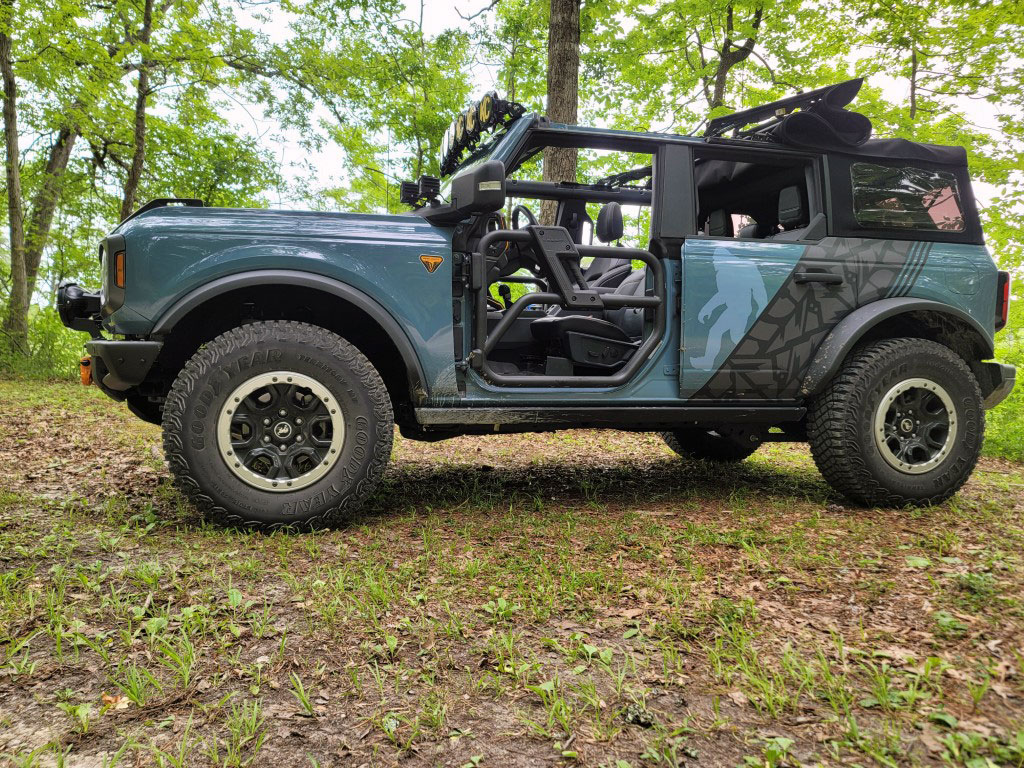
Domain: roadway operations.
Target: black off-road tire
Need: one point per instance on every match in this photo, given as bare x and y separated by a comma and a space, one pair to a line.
841, 424
721, 446
200, 392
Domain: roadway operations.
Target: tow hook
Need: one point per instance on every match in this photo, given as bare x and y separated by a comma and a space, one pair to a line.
85, 370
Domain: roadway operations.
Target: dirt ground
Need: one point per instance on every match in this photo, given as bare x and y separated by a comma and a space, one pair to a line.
581, 598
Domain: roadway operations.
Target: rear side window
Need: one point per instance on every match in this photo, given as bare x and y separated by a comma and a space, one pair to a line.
905, 198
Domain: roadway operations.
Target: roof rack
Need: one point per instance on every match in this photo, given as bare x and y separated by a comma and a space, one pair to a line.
760, 118
160, 202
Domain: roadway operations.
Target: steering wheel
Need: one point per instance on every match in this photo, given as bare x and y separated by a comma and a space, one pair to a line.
522, 209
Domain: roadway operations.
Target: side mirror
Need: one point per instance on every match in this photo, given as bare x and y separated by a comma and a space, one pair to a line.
477, 190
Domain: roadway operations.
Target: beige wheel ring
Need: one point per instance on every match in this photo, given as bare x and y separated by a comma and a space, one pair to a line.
280, 431
915, 426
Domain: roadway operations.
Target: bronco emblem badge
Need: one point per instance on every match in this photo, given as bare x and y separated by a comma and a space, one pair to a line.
431, 263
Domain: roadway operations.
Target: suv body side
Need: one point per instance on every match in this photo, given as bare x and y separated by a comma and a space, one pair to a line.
180, 258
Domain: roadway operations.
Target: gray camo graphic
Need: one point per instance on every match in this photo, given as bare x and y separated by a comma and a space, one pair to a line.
785, 337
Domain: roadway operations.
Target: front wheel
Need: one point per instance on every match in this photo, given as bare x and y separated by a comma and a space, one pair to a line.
278, 423
901, 423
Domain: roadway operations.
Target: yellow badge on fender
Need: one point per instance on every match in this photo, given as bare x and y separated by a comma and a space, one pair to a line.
431, 263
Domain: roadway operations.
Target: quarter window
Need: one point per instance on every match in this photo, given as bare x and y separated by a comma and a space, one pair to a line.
906, 198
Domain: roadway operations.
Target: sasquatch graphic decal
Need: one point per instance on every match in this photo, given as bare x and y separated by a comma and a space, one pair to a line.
772, 358
740, 291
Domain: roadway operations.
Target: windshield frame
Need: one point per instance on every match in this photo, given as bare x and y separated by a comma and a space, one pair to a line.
501, 146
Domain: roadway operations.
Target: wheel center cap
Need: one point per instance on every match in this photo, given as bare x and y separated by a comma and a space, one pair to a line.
282, 430
907, 425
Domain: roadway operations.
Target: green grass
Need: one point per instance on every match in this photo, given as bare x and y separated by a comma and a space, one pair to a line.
1005, 424
567, 599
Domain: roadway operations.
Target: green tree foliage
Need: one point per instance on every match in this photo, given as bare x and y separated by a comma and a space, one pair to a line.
364, 79
684, 62
1005, 425
83, 81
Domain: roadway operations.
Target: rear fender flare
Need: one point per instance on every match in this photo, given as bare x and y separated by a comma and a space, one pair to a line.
851, 329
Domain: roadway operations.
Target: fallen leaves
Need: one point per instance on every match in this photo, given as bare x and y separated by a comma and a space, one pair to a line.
596, 540
114, 702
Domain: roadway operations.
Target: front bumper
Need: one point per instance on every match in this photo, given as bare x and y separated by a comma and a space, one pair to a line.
996, 380
121, 365
117, 366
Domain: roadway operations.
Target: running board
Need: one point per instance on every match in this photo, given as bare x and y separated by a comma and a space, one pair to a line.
636, 418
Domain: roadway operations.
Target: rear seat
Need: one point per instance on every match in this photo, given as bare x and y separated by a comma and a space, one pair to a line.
756, 231
792, 214
719, 224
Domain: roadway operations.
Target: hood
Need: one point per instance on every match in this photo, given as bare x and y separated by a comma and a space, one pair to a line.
257, 222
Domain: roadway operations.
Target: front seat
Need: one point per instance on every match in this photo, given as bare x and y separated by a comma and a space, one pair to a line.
604, 271
597, 342
792, 214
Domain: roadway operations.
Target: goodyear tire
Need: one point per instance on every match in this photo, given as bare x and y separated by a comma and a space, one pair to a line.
901, 424
278, 424
722, 445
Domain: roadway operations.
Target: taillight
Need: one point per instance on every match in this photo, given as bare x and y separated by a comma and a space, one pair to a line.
1002, 299
119, 269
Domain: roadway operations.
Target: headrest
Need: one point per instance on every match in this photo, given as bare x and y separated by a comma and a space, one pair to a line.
756, 230
720, 223
609, 223
791, 208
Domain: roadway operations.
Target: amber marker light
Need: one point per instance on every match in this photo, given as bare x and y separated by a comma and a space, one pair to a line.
119, 269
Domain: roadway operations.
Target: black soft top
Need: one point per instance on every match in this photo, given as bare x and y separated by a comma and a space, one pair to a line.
903, 149
818, 120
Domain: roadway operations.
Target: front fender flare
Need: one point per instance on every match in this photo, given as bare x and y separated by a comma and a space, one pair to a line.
852, 328
183, 306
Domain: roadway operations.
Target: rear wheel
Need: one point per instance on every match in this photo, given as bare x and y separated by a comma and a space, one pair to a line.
278, 423
722, 444
901, 423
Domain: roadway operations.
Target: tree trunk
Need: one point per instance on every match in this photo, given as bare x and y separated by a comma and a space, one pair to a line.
131, 184
16, 319
563, 92
730, 55
44, 204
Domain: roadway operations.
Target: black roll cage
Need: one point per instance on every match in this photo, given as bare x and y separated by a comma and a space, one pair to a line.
554, 247
565, 286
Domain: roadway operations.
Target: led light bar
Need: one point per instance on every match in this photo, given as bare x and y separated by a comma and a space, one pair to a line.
468, 128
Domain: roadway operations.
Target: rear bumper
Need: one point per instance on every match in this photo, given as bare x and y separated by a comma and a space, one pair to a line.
121, 365
997, 382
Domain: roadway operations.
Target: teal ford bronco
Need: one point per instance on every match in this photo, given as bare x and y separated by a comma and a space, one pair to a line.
782, 277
